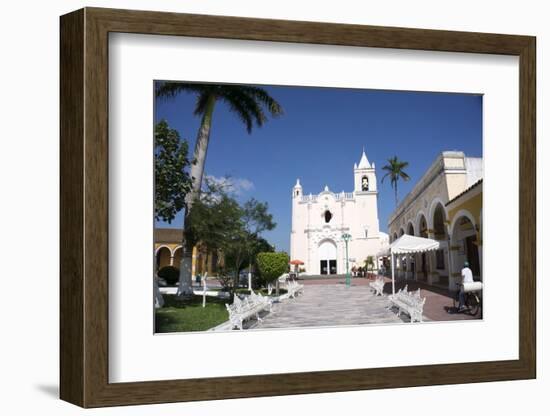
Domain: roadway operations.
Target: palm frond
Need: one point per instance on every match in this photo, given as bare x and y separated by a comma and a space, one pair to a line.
241, 103
247, 102
261, 95
170, 89
242, 112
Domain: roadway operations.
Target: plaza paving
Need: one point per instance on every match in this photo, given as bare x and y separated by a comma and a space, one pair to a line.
329, 302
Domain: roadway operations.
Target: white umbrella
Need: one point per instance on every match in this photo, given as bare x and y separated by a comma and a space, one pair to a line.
410, 244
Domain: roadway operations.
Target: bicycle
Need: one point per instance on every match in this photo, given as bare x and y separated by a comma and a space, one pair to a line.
472, 300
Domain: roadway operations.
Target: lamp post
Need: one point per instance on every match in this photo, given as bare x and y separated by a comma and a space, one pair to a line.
346, 237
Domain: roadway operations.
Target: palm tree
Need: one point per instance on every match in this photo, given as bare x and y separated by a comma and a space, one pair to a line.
395, 170
247, 103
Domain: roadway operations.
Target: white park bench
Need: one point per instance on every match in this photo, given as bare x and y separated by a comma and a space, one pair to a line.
410, 302
283, 278
249, 307
294, 288
262, 300
378, 286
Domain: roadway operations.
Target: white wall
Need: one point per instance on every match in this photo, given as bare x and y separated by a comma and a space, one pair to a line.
29, 179
356, 214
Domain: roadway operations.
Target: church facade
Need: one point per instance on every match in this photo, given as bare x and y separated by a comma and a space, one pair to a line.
319, 222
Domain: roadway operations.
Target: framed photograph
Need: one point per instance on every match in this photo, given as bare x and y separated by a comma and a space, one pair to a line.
255, 207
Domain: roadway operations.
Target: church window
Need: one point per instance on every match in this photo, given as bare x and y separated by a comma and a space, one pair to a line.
364, 183
328, 216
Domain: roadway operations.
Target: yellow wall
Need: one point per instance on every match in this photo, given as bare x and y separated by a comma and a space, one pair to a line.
171, 246
172, 258
455, 185
201, 262
473, 205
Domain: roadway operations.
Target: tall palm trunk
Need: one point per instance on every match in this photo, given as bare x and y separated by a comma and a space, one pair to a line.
395, 190
197, 171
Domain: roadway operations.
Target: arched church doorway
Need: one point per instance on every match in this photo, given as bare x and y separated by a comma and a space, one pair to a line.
327, 257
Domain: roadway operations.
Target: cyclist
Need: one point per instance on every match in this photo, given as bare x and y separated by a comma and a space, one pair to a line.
467, 277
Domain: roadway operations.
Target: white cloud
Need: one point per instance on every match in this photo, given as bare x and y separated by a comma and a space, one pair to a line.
235, 186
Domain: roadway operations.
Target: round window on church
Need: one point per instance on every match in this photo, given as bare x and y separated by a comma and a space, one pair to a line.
328, 216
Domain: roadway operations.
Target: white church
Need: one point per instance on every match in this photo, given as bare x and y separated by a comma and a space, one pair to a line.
319, 222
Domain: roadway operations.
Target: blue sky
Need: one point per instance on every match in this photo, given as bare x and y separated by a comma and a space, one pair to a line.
320, 137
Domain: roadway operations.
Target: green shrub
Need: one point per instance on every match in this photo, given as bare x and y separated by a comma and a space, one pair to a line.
170, 273
272, 265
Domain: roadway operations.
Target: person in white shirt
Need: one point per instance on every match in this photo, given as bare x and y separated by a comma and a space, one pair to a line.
467, 277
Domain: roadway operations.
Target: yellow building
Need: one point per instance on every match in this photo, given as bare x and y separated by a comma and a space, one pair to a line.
168, 252
465, 216
445, 205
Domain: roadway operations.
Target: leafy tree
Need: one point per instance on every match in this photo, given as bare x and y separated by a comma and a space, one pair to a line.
242, 241
272, 266
248, 103
256, 219
172, 181
215, 222
243, 252
219, 224
395, 170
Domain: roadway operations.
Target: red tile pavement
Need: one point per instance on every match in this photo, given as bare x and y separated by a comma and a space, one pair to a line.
439, 302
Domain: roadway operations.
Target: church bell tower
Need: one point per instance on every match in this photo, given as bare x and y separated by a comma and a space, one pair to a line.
297, 190
364, 176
